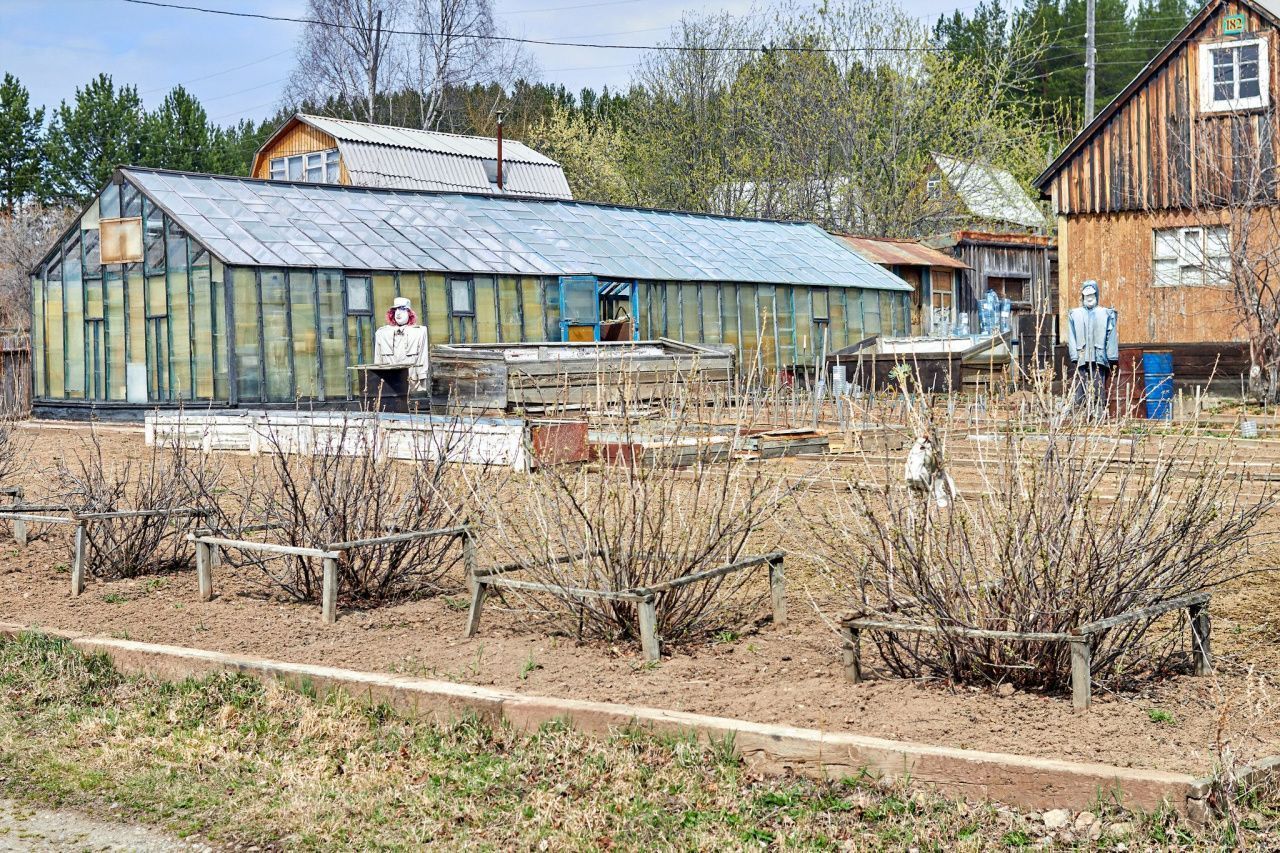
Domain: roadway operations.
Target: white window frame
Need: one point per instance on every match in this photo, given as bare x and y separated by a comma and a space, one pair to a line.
324, 163
1209, 104
1196, 255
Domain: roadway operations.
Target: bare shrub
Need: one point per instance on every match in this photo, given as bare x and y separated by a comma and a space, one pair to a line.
1059, 521
668, 499
342, 488
14, 448
162, 482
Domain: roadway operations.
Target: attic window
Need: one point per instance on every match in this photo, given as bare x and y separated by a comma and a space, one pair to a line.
1232, 75
316, 167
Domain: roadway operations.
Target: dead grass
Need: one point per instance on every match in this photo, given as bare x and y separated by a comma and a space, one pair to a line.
240, 762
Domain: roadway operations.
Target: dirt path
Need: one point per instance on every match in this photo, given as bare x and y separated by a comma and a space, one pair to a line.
25, 828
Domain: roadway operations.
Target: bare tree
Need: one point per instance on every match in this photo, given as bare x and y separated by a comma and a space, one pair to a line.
24, 237
450, 49
346, 54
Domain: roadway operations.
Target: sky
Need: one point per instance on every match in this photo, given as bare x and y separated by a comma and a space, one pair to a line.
238, 67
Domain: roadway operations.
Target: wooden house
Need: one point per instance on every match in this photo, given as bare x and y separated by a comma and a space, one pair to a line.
318, 149
1139, 194
933, 276
176, 286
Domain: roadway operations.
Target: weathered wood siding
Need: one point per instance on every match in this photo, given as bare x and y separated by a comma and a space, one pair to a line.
1115, 249
299, 139
990, 260
1157, 151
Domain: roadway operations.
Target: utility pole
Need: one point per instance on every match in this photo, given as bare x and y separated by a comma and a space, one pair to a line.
376, 59
1090, 61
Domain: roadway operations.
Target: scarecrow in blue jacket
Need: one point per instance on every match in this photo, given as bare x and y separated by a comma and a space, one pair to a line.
1093, 347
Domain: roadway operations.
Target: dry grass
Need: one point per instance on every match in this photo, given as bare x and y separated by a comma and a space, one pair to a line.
238, 762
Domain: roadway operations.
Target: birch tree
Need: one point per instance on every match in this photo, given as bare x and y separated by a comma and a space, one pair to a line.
346, 55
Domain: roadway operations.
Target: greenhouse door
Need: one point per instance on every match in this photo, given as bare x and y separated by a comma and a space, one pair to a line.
579, 309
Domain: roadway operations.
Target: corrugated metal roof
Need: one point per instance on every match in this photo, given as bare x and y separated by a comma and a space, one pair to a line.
371, 165
482, 147
990, 193
278, 223
905, 252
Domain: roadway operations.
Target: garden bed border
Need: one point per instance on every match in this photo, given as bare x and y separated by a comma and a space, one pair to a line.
1026, 782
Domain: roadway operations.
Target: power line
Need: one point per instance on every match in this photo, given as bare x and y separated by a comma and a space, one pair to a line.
670, 48
218, 73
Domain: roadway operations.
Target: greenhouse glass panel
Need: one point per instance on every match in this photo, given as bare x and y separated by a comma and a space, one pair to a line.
691, 314
384, 293
37, 337
437, 309
218, 325
302, 307
55, 366
275, 336
179, 330
486, 305
532, 327
710, 296
73, 294
136, 322
333, 345
244, 305
202, 330
729, 315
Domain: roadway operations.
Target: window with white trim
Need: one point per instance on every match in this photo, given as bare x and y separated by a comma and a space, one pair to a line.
316, 167
1234, 75
1197, 256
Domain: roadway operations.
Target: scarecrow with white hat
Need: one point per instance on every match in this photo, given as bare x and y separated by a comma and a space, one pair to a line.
403, 343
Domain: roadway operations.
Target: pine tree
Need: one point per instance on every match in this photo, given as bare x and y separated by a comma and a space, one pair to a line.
88, 139
178, 135
20, 144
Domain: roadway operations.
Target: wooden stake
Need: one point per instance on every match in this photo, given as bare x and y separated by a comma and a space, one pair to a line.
77, 563
478, 593
1200, 650
20, 532
329, 592
852, 653
777, 584
1081, 676
204, 570
649, 630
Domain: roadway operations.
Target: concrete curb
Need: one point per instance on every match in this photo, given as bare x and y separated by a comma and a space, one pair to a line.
1018, 780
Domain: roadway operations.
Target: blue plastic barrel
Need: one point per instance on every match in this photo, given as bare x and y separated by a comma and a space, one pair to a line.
1157, 371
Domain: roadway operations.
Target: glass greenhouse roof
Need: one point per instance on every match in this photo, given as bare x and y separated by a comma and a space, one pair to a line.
274, 223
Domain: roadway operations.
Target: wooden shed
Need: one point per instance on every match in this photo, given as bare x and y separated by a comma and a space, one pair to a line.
1139, 193
1015, 265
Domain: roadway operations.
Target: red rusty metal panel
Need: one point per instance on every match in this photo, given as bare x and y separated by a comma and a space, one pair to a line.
559, 442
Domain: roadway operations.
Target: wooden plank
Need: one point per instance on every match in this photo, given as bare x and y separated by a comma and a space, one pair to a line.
980, 633
204, 571
551, 589
329, 592
265, 547
80, 548
408, 536
649, 644
1081, 676
1142, 613
709, 574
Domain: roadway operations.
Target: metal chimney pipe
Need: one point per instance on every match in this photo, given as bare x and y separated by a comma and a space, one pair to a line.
499, 150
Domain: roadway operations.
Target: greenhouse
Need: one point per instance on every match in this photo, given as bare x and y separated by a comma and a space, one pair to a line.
177, 287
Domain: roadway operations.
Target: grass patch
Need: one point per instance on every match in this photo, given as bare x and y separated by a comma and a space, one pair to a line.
243, 762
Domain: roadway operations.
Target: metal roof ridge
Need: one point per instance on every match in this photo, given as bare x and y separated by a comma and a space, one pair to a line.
490, 196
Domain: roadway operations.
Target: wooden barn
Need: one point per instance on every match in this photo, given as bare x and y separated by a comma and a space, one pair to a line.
173, 287
1142, 194
319, 149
